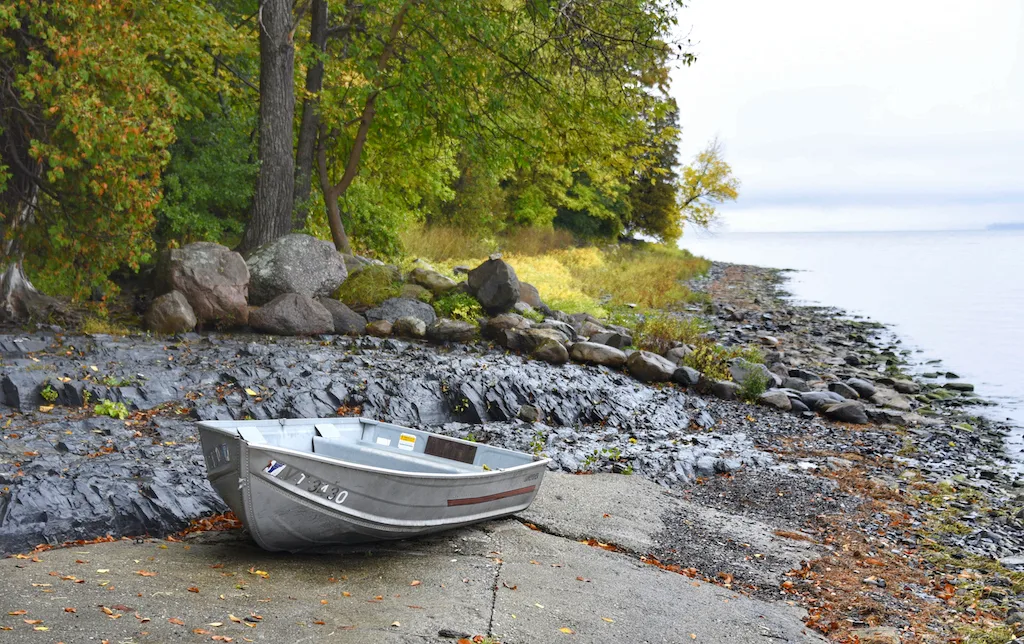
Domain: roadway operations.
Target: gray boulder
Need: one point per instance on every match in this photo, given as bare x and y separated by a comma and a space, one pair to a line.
844, 390
170, 313
816, 399
613, 339
292, 314
906, 386
591, 329
414, 292
678, 354
409, 327
566, 328
686, 376
742, 370
213, 279
495, 285
533, 338
550, 351
803, 374
593, 353
650, 367
796, 384
850, 411
346, 321
511, 339
504, 321
775, 398
529, 294
295, 263
725, 390
863, 388
431, 280
445, 330
400, 307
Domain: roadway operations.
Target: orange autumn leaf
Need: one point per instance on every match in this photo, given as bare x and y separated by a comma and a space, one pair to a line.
17, 612
193, 589
416, 582
32, 621
145, 573
175, 620
70, 610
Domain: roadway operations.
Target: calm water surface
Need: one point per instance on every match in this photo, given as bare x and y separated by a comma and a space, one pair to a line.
956, 296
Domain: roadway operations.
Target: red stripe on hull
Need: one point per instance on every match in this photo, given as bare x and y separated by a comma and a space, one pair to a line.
491, 497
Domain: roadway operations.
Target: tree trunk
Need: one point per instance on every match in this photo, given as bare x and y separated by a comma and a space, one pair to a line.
331, 195
19, 299
275, 185
308, 128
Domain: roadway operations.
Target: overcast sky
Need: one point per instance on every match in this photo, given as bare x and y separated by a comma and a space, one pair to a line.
879, 114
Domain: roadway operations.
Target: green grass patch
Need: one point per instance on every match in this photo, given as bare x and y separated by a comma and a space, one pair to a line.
459, 306
657, 332
755, 384
369, 287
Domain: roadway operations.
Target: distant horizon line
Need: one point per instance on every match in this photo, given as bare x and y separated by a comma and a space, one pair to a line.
998, 227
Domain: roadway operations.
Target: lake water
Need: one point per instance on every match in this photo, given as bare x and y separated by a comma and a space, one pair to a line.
957, 296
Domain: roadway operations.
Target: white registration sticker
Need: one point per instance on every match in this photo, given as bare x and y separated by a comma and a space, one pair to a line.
384, 441
407, 442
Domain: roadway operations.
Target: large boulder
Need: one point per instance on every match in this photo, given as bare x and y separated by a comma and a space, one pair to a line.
495, 285
295, 263
650, 367
346, 321
170, 313
431, 280
292, 314
379, 328
565, 328
529, 294
678, 354
400, 307
445, 330
409, 327
777, 399
844, 390
850, 411
819, 399
550, 351
533, 338
686, 376
725, 390
863, 388
742, 370
213, 279
613, 339
593, 353
505, 321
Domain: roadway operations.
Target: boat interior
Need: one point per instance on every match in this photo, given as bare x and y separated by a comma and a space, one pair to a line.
375, 444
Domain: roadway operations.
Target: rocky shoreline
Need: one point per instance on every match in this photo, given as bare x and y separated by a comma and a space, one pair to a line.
67, 473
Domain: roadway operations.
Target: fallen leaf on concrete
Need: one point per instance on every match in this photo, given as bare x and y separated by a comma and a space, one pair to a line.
200, 631
322, 623
17, 612
145, 573
345, 593
141, 618
40, 628
415, 582
216, 624
505, 584
566, 630
609, 620
32, 621
106, 610
70, 610
259, 573
235, 619
175, 620
323, 602
193, 589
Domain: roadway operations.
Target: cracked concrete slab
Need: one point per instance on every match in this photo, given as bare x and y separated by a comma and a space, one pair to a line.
501, 578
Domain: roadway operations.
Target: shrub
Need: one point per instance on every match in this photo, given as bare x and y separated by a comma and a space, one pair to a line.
439, 243
369, 287
750, 353
457, 305
112, 409
657, 332
48, 393
710, 359
755, 384
98, 326
534, 315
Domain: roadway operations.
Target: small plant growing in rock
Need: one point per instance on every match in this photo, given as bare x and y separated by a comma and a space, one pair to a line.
48, 393
755, 384
657, 332
538, 442
369, 287
113, 409
710, 359
534, 315
458, 306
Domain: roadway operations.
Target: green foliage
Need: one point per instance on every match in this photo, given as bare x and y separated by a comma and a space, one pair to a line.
710, 359
457, 305
534, 315
707, 183
750, 353
755, 384
659, 331
48, 393
100, 326
112, 409
369, 287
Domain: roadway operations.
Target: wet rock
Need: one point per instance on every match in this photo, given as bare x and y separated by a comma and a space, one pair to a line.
886, 416
803, 374
847, 412
550, 351
863, 388
295, 263
431, 280
817, 399
844, 390
678, 354
725, 390
400, 307
504, 321
959, 386
214, 280
409, 327
600, 354
22, 389
906, 386
346, 321
612, 339
686, 376
852, 359
445, 330
650, 367
495, 285
798, 406
292, 314
775, 398
379, 328
170, 313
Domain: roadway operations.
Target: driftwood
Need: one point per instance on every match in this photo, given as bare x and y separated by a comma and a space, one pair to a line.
21, 302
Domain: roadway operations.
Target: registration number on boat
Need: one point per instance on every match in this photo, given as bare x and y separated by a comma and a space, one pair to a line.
303, 480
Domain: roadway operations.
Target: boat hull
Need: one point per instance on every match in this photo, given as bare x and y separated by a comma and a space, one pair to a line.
292, 501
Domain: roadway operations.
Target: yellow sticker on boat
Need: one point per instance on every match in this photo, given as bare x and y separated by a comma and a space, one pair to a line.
407, 442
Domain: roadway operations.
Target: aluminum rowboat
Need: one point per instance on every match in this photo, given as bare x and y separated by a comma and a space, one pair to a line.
302, 484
